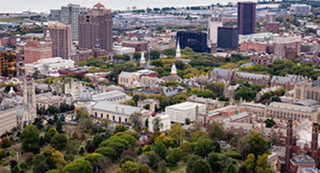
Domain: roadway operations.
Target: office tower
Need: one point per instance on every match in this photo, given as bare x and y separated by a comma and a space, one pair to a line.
55, 15
69, 15
246, 17
96, 25
213, 23
195, 40
61, 39
8, 63
228, 37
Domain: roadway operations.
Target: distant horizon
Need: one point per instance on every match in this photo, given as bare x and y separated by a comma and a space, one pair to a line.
18, 6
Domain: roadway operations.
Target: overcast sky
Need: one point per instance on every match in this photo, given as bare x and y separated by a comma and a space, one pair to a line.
46, 5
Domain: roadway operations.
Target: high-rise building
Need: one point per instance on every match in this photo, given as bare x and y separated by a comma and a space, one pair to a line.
195, 40
35, 50
69, 15
8, 63
55, 15
228, 37
95, 25
213, 23
61, 39
246, 17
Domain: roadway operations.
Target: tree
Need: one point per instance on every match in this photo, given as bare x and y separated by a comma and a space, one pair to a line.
59, 126
30, 139
186, 148
262, 162
162, 167
177, 132
198, 166
92, 157
157, 124
217, 88
135, 120
269, 123
77, 166
253, 143
199, 135
203, 147
187, 121
153, 160
107, 152
169, 52
130, 167
52, 110
59, 141
119, 128
206, 94
218, 162
105, 122
215, 130
154, 54
144, 169
5, 142
3, 153
246, 93
97, 140
231, 168
160, 149
250, 163
174, 156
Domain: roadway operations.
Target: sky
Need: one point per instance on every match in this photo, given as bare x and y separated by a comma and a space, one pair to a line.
46, 5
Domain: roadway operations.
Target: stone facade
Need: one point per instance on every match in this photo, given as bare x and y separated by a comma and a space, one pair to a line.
307, 90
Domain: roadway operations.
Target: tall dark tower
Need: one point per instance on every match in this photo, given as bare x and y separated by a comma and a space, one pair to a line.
96, 24
289, 143
246, 17
314, 142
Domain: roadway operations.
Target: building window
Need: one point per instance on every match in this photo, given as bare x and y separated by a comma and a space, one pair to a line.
95, 114
101, 115
125, 120
107, 115
119, 119
113, 118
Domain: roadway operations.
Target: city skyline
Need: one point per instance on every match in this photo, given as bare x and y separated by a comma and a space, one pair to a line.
47, 5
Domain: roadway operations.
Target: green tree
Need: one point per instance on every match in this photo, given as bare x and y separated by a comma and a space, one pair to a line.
105, 122
154, 54
119, 128
186, 148
52, 110
59, 141
269, 123
162, 167
177, 132
253, 143
3, 153
198, 135
218, 162
92, 157
97, 140
135, 120
169, 52
153, 160
231, 168
206, 94
174, 156
198, 166
108, 152
59, 126
77, 166
5, 142
203, 147
30, 139
130, 167
215, 130
49, 134
262, 162
157, 124
144, 168
217, 88
160, 149
246, 93
250, 163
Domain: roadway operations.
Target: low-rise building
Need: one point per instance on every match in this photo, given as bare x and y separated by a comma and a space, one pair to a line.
180, 112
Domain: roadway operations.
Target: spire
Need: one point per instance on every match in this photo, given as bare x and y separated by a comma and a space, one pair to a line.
178, 52
142, 60
174, 70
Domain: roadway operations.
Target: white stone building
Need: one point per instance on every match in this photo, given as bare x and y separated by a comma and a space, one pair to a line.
164, 120
179, 112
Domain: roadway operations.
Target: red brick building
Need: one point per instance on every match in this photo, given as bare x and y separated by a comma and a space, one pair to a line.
35, 50
272, 27
258, 47
263, 60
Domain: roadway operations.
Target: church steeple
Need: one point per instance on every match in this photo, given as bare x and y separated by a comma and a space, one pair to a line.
142, 60
174, 70
178, 52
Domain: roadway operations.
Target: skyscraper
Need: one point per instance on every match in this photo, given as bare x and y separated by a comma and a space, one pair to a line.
228, 37
69, 15
197, 41
61, 39
213, 23
8, 63
246, 17
95, 25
